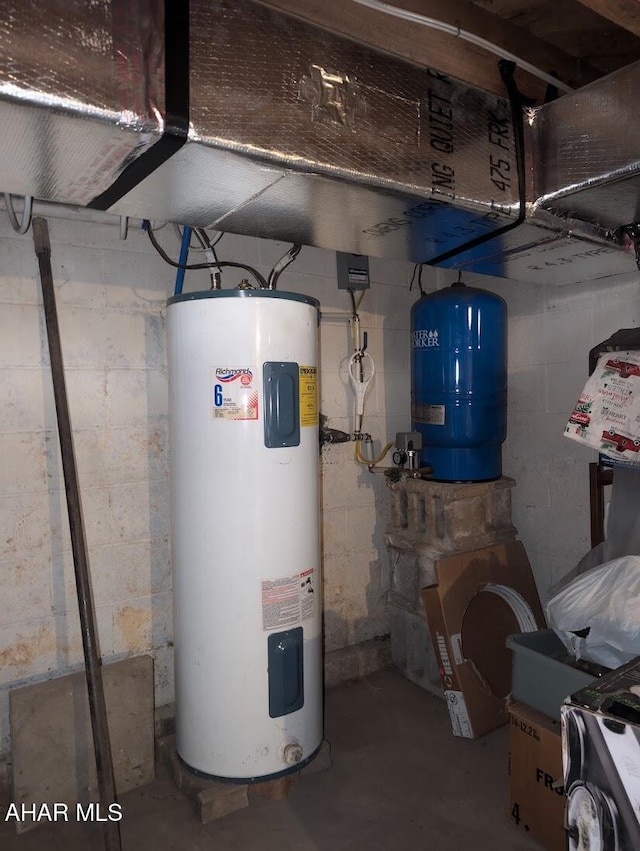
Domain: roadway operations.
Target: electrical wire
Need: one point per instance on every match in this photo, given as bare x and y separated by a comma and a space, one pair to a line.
465, 35
417, 267
23, 225
202, 231
208, 246
146, 225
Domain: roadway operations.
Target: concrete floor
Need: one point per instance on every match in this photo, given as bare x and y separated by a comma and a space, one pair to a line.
399, 780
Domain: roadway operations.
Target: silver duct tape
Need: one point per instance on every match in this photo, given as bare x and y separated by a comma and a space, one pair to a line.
81, 93
299, 134
585, 151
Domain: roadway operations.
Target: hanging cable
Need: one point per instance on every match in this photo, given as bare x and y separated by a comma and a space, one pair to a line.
417, 268
195, 248
23, 225
465, 35
282, 264
146, 225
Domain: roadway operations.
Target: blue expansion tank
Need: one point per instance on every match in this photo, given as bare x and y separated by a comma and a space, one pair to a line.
459, 382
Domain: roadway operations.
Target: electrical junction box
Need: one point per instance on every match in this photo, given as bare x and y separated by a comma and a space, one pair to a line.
353, 271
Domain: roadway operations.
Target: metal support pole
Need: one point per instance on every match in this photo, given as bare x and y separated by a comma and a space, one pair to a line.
93, 665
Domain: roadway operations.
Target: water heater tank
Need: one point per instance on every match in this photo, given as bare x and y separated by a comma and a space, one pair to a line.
245, 531
459, 382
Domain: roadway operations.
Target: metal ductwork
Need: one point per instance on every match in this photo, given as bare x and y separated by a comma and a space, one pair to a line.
233, 115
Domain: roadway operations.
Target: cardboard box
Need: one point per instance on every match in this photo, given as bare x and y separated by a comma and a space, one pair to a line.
601, 754
469, 625
536, 788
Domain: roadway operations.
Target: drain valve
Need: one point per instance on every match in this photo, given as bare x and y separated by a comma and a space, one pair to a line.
292, 753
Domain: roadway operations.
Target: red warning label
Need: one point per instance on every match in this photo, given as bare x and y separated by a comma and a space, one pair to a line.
288, 600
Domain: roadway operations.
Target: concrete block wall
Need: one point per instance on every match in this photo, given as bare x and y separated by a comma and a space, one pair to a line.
111, 298
551, 330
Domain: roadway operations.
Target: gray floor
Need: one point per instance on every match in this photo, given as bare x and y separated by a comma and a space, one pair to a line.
399, 780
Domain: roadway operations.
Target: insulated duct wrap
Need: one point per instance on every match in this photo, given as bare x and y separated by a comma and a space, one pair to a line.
585, 152
81, 93
302, 135
238, 116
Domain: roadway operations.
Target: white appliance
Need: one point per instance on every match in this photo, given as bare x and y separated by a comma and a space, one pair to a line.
245, 531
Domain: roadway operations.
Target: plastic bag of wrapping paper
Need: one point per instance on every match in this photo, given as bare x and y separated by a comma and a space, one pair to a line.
597, 616
606, 417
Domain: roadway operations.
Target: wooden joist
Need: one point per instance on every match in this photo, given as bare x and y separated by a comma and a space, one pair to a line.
624, 13
446, 53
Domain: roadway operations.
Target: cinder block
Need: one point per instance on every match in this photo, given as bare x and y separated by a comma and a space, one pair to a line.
396, 352
412, 650
23, 463
430, 520
53, 757
165, 721
393, 306
20, 343
89, 337
564, 333
564, 384
450, 517
356, 660
27, 648
412, 569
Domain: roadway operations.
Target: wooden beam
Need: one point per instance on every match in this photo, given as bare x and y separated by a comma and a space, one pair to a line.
447, 53
503, 33
624, 13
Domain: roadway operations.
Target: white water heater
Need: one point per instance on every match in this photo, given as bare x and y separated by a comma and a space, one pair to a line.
245, 531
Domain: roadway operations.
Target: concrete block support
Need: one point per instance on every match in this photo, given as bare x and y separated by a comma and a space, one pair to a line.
428, 521
450, 517
412, 650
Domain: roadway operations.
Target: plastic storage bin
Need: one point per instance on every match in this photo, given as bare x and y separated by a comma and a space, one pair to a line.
540, 679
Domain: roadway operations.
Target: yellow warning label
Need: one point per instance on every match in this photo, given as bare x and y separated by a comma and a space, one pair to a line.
308, 396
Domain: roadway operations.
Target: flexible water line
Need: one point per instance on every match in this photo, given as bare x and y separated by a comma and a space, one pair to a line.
359, 383
452, 29
518, 605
